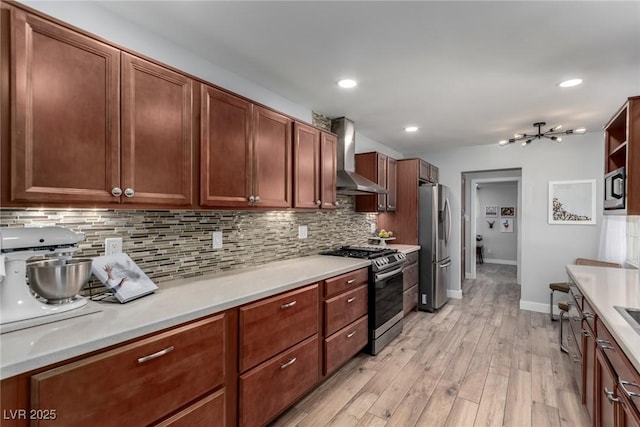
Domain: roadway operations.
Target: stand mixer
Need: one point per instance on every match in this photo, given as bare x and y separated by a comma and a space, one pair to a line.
17, 246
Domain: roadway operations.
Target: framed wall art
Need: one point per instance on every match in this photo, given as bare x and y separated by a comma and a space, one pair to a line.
572, 202
508, 211
491, 211
506, 225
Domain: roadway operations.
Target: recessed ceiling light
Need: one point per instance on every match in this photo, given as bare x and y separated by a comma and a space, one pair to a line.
570, 83
347, 83
411, 129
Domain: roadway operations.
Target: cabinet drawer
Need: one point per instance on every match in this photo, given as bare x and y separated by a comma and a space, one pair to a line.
412, 258
410, 276
269, 388
409, 299
344, 344
138, 383
347, 281
274, 324
206, 412
343, 309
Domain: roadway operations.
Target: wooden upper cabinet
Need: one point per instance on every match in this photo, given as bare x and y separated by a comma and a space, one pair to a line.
328, 170
382, 170
245, 153
65, 127
225, 149
272, 159
314, 168
306, 162
157, 124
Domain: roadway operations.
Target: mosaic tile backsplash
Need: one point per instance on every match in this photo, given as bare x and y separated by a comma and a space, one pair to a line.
176, 244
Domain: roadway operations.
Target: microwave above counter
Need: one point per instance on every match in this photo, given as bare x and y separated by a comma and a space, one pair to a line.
615, 191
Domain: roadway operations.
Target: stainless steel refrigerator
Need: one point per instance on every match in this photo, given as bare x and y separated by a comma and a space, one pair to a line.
434, 236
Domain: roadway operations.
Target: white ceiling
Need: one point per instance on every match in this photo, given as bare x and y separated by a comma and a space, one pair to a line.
467, 73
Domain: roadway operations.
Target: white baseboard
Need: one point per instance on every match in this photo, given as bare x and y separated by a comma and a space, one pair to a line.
454, 294
500, 261
534, 306
468, 275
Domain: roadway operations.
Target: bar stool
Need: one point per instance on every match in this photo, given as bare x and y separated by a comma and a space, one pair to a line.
564, 308
479, 254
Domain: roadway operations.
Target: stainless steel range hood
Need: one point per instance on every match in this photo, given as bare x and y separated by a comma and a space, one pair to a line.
348, 181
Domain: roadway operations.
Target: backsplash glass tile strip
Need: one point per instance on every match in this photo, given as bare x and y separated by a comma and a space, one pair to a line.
171, 245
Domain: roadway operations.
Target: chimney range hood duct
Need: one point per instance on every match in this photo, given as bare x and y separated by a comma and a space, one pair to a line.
348, 181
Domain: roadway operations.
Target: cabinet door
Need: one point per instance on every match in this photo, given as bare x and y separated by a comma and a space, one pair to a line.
328, 170
225, 150
272, 159
605, 389
65, 127
588, 359
157, 122
382, 181
392, 178
306, 161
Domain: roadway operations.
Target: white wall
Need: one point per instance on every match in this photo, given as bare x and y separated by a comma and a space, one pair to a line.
365, 145
545, 249
90, 17
498, 246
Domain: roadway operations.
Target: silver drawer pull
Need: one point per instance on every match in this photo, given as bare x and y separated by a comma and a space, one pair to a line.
350, 281
350, 300
577, 359
287, 305
155, 355
610, 397
630, 394
288, 363
588, 315
351, 334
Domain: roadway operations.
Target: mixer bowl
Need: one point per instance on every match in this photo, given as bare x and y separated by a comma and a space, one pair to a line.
59, 280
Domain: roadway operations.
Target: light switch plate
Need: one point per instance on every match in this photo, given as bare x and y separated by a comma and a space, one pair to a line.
216, 239
302, 232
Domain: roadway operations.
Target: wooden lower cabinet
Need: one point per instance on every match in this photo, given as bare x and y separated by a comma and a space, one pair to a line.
605, 392
410, 283
139, 383
344, 344
207, 412
345, 308
271, 387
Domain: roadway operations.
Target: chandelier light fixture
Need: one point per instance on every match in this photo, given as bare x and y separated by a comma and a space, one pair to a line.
552, 134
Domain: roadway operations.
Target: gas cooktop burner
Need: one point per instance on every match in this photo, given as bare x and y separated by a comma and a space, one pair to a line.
360, 252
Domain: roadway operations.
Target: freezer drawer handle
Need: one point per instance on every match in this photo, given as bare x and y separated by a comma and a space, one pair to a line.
155, 355
289, 304
288, 363
446, 264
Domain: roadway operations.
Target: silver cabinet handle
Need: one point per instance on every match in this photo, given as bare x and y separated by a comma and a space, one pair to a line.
257, 199
390, 206
577, 359
350, 281
588, 315
252, 199
155, 355
128, 192
630, 394
351, 334
601, 341
287, 305
288, 363
610, 397
586, 333
116, 191
318, 202
350, 300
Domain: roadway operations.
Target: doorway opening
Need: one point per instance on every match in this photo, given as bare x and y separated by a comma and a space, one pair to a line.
491, 220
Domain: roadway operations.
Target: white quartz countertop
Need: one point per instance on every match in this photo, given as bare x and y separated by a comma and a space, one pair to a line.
404, 248
606, 288
174, 303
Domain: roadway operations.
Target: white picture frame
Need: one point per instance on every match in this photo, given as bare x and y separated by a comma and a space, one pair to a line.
491, 211
572, 202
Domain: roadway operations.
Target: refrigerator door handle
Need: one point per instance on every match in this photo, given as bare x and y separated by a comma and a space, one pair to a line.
448, 233
447, 264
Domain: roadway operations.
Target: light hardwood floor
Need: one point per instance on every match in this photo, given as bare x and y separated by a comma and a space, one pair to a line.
479, 361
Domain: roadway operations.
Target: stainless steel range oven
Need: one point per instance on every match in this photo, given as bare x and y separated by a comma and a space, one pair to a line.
385, 292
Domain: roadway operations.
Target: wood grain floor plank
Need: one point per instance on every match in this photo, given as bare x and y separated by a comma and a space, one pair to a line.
517, 411
437, 410
544, 415
351, 414
492, 403
463, 413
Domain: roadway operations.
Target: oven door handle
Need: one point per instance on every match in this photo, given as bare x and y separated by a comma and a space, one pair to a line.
382, 276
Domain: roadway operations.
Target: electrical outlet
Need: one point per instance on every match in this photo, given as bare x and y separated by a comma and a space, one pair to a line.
489, 250
373, 228
302, 232
216, 239
112, 245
